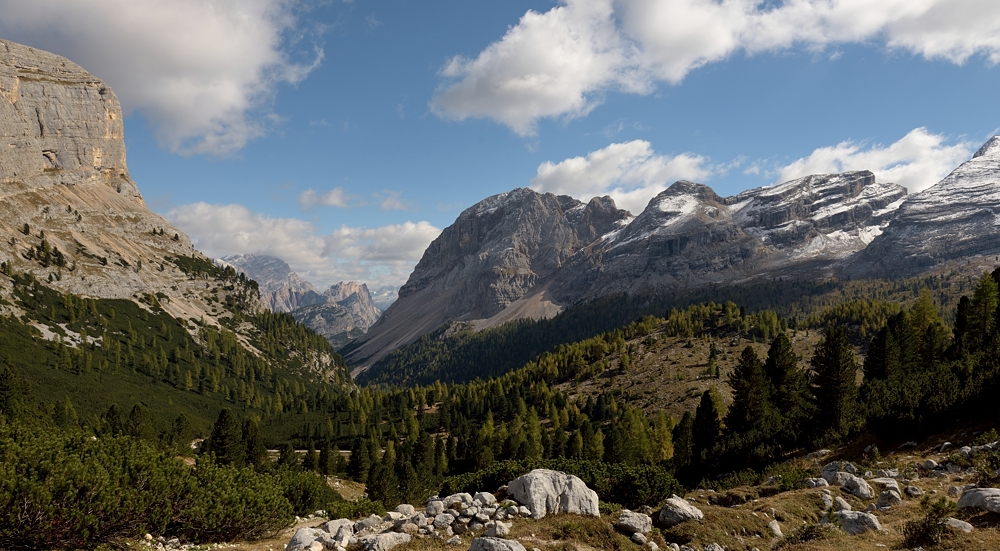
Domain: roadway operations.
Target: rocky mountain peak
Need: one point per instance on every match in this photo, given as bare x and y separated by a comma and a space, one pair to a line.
989, 149
281, 289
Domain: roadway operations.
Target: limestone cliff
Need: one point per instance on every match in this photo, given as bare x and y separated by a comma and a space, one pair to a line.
69, 212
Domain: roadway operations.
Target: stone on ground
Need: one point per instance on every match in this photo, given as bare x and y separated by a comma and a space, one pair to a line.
545, 491
987, 499
495, 544
857, 522
384, 542
631, 522
677, 510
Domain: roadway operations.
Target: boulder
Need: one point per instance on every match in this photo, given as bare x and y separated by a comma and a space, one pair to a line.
334, 526
929, 464
384, 542
887, 483
837, 478
630, 522
454, 540
888, 498
857, 486
302, 539
435, 507
545, 491
406, 509
638, 538
714, 547
498, 530
913, 491
827, 500
677, 510
365, 523
409, 528
775, 529
485, 499
841, 504
463, 498
857, 522
443, 520
958, 525
818, 454
815, 483
987, 499
495, 544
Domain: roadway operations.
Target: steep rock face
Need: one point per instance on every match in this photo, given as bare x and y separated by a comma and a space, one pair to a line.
955, 218
63, 172
281, 289
356, 300
497, 257
688, 236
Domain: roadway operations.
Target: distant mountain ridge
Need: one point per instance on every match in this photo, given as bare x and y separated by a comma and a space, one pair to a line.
343, 312
495, 262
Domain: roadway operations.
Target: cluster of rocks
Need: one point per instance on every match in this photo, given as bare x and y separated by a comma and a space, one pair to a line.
537, 493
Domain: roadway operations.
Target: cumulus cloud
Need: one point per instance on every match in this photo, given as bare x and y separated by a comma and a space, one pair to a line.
336, 197
203, 72
561, 62
630, 172
378, 256
917, 161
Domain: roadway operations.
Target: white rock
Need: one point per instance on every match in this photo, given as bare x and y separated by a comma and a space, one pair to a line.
841, 504
302, 539
677, 510
334, 526
815, 483
714, 547
651, 545
775, 528
827, 501
498, 530
859, 488
406, 509
435, 507
495, 544
929, 464
383, 542
443, 520
631, 522
545, 491
638, 538
818, 454
981, 498
485, 498
455, 540
959, 525
365, 523
913, 491
856, 522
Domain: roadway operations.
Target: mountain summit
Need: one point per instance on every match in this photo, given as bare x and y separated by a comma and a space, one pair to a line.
527, 254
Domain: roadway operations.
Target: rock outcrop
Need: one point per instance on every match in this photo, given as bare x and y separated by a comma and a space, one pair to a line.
987, 499
65, 185
281, 289
676, 510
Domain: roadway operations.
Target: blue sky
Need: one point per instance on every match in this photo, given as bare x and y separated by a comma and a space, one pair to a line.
342, 136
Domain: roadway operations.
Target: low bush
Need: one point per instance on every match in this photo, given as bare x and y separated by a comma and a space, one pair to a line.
930, 529
65, 490
628, 485
361, 507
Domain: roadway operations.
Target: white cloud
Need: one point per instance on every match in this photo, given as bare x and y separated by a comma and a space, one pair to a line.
630, 172
917, 161
550, 64
336, 197
391, 200
203, 72
560, 63
378, 256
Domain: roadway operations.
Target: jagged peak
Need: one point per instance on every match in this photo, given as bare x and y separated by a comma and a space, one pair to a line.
989, 149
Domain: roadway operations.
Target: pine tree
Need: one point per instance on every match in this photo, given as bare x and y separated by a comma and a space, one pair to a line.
360, 462
140, 424
683, 441
788, 387
256, 452
226, 440
288, 458
310, 461
325, 466
836, 390
750, 393
706, 430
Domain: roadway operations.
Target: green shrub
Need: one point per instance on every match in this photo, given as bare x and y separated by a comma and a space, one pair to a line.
930, 529
362, 507
306, 491
65, 490
627, 485
232, 503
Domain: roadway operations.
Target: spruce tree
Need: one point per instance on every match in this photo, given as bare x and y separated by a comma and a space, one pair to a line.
226, 440
683, 441
254, 448
706, 430
288, 458
787, 382
750, 394
836, 390
310, 461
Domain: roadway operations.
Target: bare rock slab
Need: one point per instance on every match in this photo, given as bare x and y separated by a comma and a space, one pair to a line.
987, 499
495, 544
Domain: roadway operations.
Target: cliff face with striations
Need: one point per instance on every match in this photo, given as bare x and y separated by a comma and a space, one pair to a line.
64, 179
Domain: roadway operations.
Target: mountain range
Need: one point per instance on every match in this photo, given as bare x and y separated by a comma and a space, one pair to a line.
528, 254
